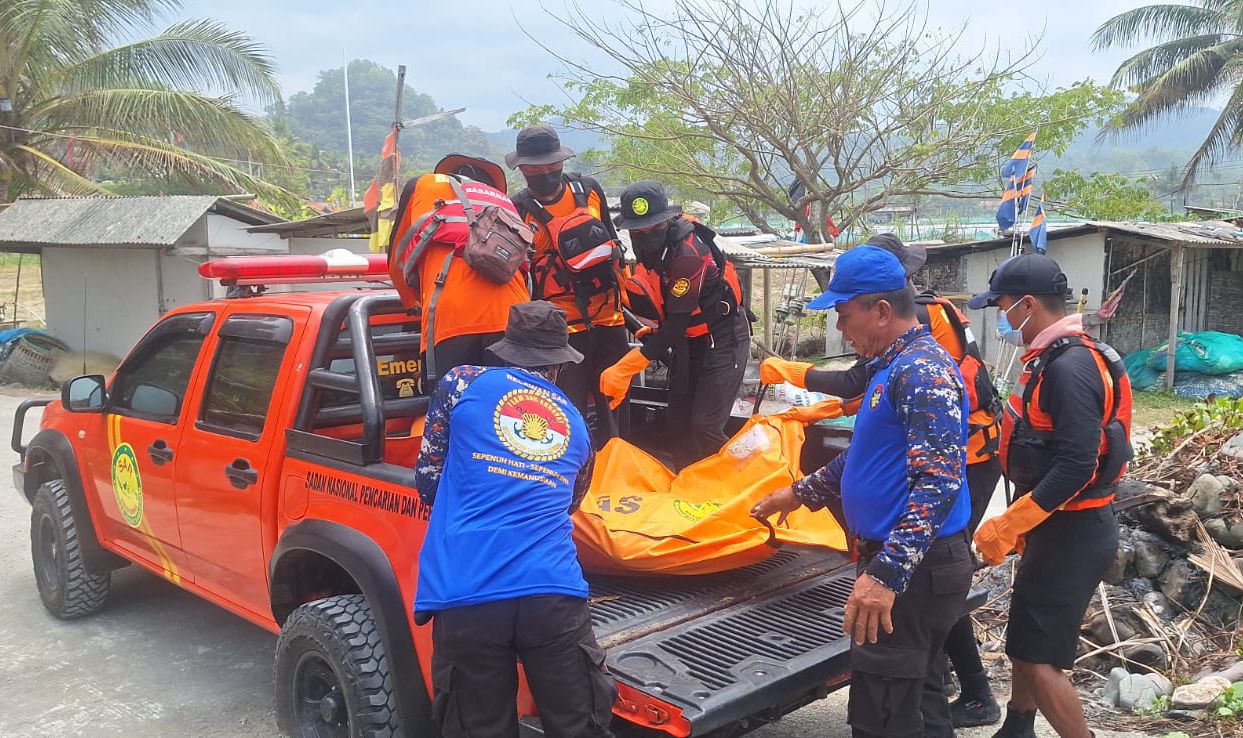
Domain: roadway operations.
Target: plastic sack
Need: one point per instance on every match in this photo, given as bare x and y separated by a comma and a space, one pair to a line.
640, 517
1209, 352
1139, 369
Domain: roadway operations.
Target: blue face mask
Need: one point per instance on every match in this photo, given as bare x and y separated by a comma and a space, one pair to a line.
1008, 333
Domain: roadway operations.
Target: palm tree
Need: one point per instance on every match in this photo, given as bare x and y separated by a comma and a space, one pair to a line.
1197, 57
74, 98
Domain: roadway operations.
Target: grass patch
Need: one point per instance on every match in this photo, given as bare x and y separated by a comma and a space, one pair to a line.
1157, 407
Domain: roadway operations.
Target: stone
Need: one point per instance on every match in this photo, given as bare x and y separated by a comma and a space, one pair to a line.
1169, 516
1113, 684
1205, 493
1145, 654
1228, 482
1199, 695
1136, 692
1159, 604
1150, 557
1175, 581
1233, 447
1163, 685
1100, 634
1228, 533
1232, 673
1122, 562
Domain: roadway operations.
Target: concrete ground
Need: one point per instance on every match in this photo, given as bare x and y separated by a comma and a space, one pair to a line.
160, 662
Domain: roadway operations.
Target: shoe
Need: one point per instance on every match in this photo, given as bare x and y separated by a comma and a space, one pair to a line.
1017, 724
968, 712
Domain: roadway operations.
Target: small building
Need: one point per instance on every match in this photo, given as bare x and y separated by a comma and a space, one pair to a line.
1184, 276
112, 266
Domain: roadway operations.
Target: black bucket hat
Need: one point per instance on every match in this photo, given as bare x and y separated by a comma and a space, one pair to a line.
536, 335
537, 145
473, 167
911, 257
645, 204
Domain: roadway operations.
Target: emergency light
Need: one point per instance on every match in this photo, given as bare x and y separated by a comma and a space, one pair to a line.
337, 265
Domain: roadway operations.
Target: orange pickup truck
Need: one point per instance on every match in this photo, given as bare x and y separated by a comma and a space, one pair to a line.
258, 451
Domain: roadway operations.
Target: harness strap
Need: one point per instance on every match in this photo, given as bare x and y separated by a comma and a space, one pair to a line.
430, 327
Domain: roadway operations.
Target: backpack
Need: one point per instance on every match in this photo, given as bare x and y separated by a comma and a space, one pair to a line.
585, 260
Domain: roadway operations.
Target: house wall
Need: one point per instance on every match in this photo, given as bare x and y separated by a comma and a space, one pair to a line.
120, 296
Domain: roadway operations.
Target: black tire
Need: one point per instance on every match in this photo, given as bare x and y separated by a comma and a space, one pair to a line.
332, 674
67, 588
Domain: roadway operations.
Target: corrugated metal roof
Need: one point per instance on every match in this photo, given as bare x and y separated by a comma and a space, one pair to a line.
345, 222
1211, 234
142, 222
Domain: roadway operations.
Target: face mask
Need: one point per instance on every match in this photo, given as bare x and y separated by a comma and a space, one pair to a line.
1013, 336
543, 185
647, 246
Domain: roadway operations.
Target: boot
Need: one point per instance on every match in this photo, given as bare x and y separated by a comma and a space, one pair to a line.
1017, 724
975, 705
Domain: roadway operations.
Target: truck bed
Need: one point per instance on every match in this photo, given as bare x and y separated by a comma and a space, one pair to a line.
751, 643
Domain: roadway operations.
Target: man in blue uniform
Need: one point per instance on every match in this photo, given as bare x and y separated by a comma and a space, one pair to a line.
901, 487
505, 460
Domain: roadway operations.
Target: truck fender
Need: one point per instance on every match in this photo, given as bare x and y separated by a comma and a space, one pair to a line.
50, 455
364, 560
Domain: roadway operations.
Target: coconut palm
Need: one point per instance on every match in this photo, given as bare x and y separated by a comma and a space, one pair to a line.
1197, 58
76, 96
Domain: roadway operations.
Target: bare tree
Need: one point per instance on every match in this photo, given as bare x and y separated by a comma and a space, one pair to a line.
845, 107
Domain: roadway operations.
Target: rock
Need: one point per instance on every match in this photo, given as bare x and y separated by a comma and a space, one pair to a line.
1233, 447
1175, 581
1136, 692
1232, 674
1150, 556
1159, 604
1122, 561
1227, 482
1205, 493
1200, 694
1098, 627
1169, 516
1227, 533
1113, 684
1146, 654
1163, 685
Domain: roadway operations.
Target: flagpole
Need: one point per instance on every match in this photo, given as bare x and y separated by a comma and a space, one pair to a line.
349, 128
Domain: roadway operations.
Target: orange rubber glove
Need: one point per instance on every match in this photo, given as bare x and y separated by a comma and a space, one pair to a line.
998, 536
776, 371
615, 381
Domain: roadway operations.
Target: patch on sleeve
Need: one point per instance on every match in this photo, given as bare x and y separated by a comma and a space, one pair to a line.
877, 392
680, 287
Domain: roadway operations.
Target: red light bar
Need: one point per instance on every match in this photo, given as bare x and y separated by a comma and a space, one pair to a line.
338, 265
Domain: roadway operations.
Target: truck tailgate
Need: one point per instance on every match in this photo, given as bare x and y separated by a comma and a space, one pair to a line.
755, 641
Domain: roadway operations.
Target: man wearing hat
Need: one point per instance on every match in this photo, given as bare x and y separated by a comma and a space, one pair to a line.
463, 311
505, 461
1065, 442
975, 704
566, 211
901, 488
703, 334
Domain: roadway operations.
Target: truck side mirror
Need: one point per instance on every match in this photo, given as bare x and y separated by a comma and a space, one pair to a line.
85, 394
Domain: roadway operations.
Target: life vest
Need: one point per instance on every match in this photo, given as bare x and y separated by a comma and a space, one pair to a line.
578, 266
719, 299
949, 327
1027, 431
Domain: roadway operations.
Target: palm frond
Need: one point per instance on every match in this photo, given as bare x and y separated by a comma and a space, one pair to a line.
1227, 131
1151, 63
1162, 22
211, 125
55, 178
1191, 81
201, 55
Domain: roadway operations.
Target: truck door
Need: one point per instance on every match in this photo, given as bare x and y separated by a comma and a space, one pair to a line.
142, 432
227, 476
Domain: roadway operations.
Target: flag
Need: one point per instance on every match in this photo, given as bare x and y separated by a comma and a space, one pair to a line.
1039, 233
1111, 303
1014, 201
380, 200
1017, 165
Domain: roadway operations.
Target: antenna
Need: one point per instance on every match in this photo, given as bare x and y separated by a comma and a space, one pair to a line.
84, 323
349, 129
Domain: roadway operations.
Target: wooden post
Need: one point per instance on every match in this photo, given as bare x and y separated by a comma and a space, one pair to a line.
768, 312
1176, 298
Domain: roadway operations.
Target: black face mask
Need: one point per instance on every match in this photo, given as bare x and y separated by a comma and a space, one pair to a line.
647, 246
543, 185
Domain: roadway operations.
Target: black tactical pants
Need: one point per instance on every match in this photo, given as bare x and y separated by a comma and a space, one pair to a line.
601, 347
699, 410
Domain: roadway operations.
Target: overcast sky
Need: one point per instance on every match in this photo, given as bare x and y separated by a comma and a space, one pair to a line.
474, 55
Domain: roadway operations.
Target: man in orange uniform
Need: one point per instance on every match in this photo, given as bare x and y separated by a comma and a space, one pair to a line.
568, 210
463, 312
1065, 442
976, 704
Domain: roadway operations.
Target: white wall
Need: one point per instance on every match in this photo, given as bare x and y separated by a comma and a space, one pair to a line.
120, 294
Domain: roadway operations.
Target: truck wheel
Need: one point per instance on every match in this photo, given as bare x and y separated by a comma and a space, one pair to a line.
67, 588
332, 676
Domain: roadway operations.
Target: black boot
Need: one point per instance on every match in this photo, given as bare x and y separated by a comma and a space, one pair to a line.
975, 705
1017, 724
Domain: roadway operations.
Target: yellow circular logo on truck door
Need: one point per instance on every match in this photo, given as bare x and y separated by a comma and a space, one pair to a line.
127, 484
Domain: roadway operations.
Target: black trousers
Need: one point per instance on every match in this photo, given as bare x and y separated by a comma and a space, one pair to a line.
961, 645
601, 347
896, 685
698, 413
469, 348
475, 677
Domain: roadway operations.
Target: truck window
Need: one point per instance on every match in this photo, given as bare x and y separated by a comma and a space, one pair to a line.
152, 382
248, 358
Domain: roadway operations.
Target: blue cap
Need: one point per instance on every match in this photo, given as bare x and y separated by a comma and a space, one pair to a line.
864, 270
